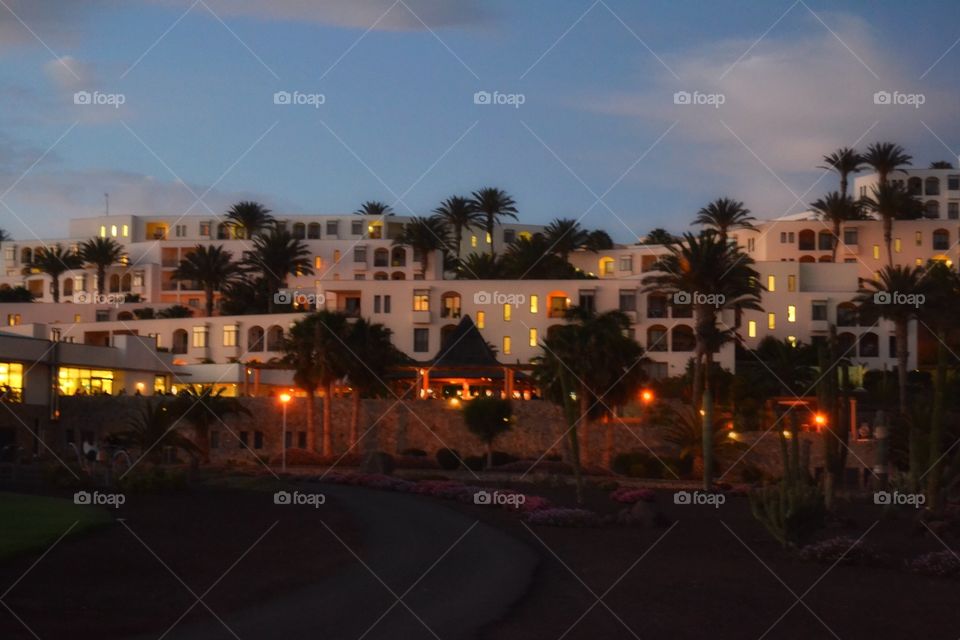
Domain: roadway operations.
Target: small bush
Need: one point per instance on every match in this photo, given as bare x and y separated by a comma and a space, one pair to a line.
630, 495
842, 549
448, 459
942, 564
502, 458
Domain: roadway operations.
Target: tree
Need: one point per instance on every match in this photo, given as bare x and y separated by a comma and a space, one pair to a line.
15, 294
175, 311
494, 204
941, 164
598, 240
425, 236
374, 208
659, 236
153, 428
886, 158
4, 237
684, 431
276, 255
53, 261
589, 366
249, 218
460, 215
210, 267
891, 202
299, 351
724, 215
844, 161
101, 253
531, 257
837, 208
488, 418
203, 407
368, 358
480, 266
565, 235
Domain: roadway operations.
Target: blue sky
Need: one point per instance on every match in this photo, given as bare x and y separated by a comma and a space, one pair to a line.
399, 123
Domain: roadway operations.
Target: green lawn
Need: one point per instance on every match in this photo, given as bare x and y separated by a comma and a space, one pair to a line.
31, 523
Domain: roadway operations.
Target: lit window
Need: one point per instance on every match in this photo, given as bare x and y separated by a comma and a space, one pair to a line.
792, 340
126, 231
230, 335
74, 381
534, 304
103, 231
13, 319
318, 262
113, 230
11, 381
200, 337
771, 321
421, 300
533, 337
752, 328
77, 318
771, 283
876, 252
919, 262
507, 312
506, 345
473, 241
489, 239
791, 313
481, 319
791, 283
896, 245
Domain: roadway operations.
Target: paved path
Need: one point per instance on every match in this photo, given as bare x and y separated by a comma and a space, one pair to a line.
474, 584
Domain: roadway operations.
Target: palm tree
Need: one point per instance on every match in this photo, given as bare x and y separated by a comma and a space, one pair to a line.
276, 255
202, 408
459, 214
369, 355
890, 202
659, 236
425, 235
598, 240
374, 208
210, 267
590, 366
155, 428
330, 333
723, 215
101, 253
4, 237
941, 164
886, 158
565, 235
480, 266
300, 355
844, 161
53, 261
532, 257
837, 207
494, 204
249, 218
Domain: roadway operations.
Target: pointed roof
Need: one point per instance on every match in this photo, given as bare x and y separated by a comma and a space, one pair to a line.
465, 346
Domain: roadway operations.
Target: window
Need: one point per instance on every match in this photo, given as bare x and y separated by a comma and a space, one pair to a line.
200, 337
807, 240
506, 345
941, 240
138, 278
481, 319
533, 338
244, 438
791, 313
376, 304
771, 321
791, 283
125, 231
771, 283
313, 231
450, 305
386, 304
588, 300
509, 235
507, 312
230, 333
103, 233
421, 340
953, 183
13, 319
356, 227
332, 227
336, 256
657, 338
818, 311
606, 266
628, 299
626, 263
473, 241
258, 439
918, 238
751, 244
421, 300
299, 230
896, 245
534, 304
11, 381
953, 210
876, 252
825, 241
489, 239
113, 230
360, 254
783, 237
205, 229
850, 236
752, 328
74, 381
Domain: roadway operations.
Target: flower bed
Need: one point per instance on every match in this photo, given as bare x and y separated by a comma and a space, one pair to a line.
843, 549
630, 495
563, 517
943, 564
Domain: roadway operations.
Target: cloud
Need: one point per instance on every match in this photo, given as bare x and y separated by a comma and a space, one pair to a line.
361, 14
790, 100
54, 22
69, 74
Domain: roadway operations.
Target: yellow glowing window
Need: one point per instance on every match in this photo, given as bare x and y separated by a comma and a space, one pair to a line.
771, 321
13, 319
791, 283
74, 381
481, 319
126, 231
752, 328
506, 345
11, 381
230, 335
113, 230
318, 262
421, 301
77, 317
507, 312
103, 231
200, 337
533, 337
791, 313
876, 252
792, 340
771, 283
489, 239
919, 262
534, 304
473, 241
896, 245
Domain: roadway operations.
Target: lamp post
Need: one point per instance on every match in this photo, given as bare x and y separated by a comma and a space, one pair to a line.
284, 400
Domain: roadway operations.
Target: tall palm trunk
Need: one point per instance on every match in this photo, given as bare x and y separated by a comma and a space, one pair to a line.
101, 278
707, 412
888, 237
900, 331
311, 423
355, 417
208, 292
489, 230
836, 239
327, 439
55, 287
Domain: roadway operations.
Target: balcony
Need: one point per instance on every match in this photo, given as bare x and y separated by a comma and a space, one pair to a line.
421, 317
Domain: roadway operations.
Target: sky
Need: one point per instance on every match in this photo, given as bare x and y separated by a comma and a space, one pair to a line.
587, 115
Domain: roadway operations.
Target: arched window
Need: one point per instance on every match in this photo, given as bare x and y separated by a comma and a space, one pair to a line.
825, 241
931, 186
398, 275
381, 275
299, 230
657, 338
381, 257
807, 259
657, 305
445, 332
807, 240
115, 283
124, 315
313, 231
398, 257
26, 255
941, 240
869, 345
126, 283
179, 343
450, 305
846, 314
846, 342
931, 209
682, 339
275, 338
255, 338
915, 186
68, 287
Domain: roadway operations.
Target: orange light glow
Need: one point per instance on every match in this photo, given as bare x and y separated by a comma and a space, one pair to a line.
820, 420
285, 398
646, 396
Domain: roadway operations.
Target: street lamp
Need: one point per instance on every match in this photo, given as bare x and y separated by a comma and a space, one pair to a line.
646, 396
820, 420
284, 400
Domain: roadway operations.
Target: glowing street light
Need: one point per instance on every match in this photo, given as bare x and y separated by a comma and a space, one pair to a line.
820, 420
284, 401
646, 396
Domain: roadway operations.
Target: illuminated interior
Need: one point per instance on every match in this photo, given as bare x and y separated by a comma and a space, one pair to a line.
11, 381
85, 381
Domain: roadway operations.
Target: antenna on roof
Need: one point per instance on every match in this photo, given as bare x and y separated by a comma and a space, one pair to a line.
106, 199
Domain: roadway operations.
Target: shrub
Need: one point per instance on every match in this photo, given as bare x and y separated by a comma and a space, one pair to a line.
791, 511
841, 549
474, 463
379, 462
448, 459
943, 564
501, 458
